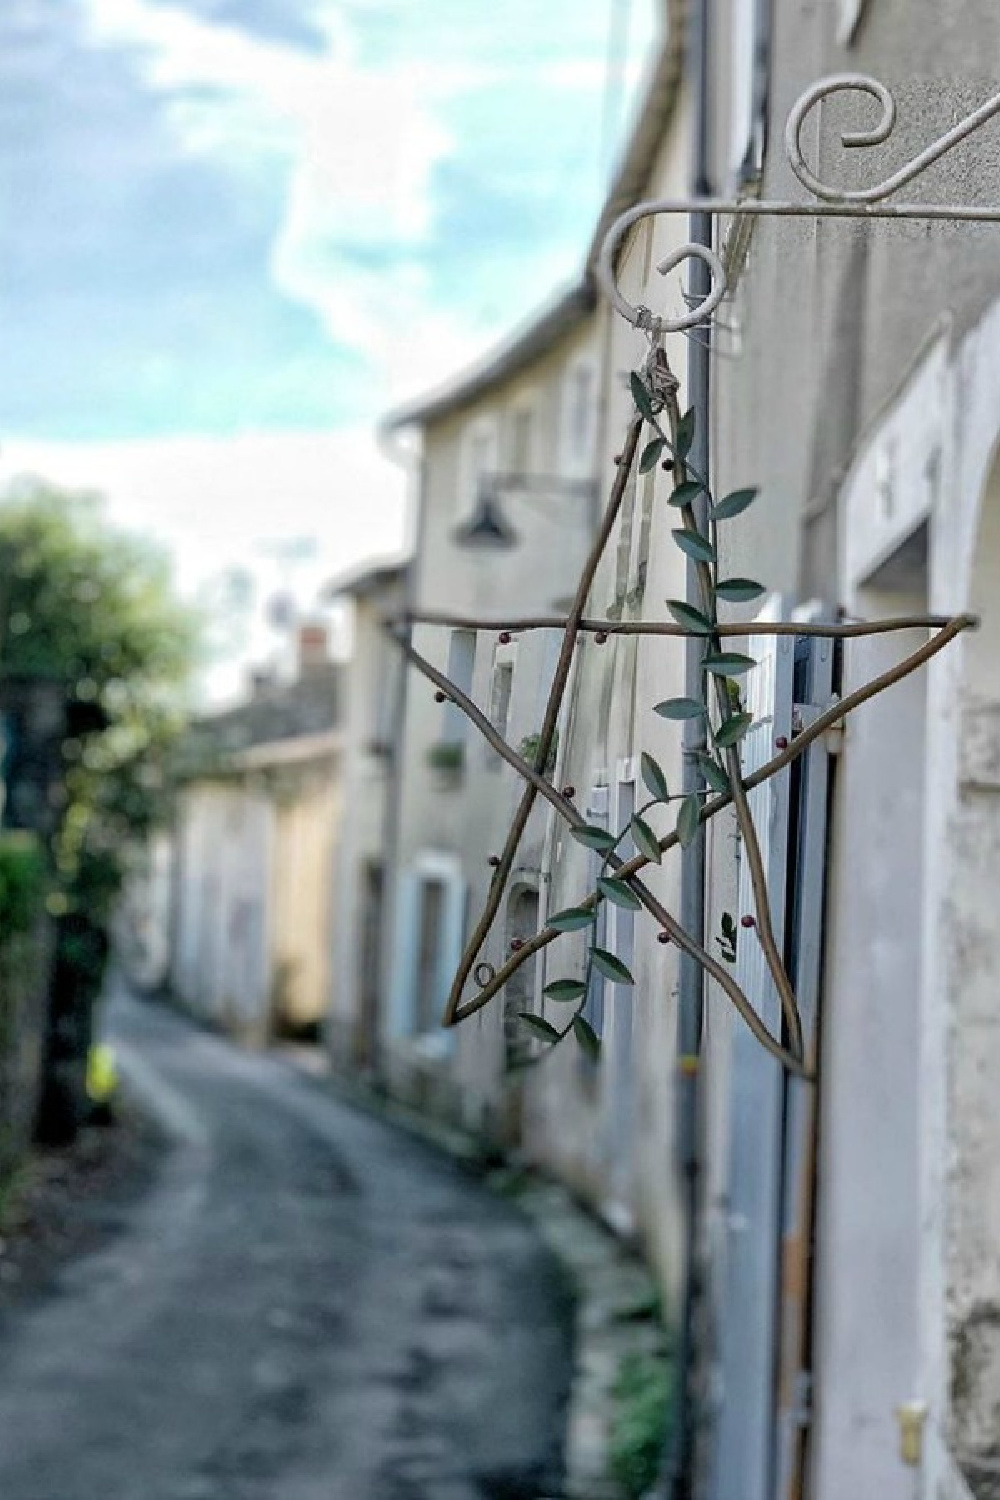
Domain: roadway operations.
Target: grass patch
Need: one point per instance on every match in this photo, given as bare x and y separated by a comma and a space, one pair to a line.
644, 1397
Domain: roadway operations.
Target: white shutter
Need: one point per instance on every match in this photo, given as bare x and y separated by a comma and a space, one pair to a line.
402, 998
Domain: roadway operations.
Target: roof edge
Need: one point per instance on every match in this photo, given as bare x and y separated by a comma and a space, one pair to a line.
542, 330
532, 338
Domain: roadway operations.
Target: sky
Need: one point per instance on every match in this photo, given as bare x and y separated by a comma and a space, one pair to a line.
233, 232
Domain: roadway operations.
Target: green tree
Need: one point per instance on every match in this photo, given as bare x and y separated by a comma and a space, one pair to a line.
90, 608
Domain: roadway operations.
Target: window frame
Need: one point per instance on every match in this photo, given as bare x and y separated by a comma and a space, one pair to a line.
525, 408
577, 456
850, 14
480, 436
749, 87
461, 670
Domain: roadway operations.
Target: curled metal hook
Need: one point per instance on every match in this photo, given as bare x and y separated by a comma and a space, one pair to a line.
855, 83
641, 317
828, 202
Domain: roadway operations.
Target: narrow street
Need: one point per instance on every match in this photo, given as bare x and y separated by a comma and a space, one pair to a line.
307, 1305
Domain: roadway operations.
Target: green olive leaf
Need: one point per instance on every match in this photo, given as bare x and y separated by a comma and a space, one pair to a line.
640, 395
572, 919
594, 837
587, 1037
680, 708
645, 839
539, 1026
651, 455
687, 493
732, 731
693, 544
727, 663
733, 505
739, 590
618, 893
611, 966
688, 819
564, 990
685, 434
712, 773
653, 777
689, 617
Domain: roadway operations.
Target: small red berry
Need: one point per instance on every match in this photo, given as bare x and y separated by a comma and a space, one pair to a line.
516, 943
748, 921
781, 743
505, 637
569, 792
440, 697
600, 637
663, 937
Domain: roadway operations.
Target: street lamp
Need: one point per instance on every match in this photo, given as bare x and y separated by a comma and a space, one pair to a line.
487, 529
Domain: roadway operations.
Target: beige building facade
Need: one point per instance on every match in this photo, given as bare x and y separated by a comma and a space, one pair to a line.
359, 936
552, 406
252, 867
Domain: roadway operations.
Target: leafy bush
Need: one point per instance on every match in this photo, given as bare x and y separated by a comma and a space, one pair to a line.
23, 972
528, 749
22, 883
446, 756
643, 1396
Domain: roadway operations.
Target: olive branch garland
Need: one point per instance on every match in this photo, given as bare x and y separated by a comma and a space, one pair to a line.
721, 713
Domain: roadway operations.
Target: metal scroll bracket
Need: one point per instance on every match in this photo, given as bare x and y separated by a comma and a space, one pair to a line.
828, 201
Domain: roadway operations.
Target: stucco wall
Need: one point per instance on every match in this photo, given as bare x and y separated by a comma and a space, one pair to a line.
303, 896
612, 1134
253, 897
368, 766
222, 965
862, 397
465, 815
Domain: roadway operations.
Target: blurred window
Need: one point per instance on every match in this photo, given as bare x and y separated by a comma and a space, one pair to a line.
427, 1013
520, 440
503, 681
593, 1005
578, 417
480, 461
849, 14
461, 663
749, 69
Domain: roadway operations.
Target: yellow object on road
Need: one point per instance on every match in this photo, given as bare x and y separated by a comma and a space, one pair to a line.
102, 1074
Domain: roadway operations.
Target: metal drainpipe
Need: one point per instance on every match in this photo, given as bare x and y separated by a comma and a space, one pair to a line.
678, 1471
416, 466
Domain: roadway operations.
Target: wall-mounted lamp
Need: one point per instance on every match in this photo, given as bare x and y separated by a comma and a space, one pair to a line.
487, 528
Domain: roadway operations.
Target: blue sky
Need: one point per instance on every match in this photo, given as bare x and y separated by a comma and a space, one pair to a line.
228, 223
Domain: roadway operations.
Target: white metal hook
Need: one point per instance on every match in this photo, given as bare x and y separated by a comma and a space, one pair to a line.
846, 83
641, 317
833, 202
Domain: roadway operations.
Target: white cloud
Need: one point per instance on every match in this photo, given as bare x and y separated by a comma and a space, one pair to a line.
357, 141
360, 144
219, 502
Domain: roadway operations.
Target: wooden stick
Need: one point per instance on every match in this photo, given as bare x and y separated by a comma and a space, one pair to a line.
823, 722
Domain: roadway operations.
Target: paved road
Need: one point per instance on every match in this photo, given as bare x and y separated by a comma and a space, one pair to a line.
307, 1306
